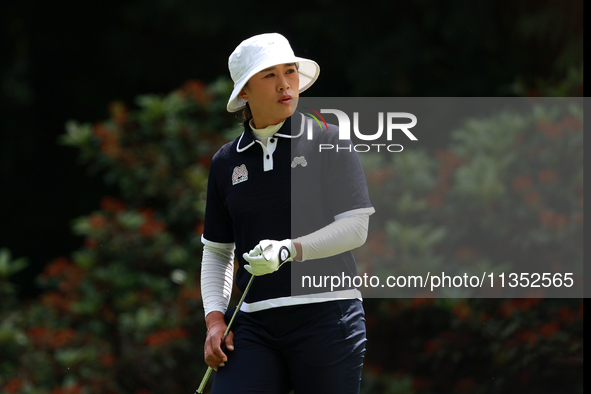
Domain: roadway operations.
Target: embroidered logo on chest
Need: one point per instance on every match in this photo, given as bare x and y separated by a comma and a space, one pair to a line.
240, 174
301, 160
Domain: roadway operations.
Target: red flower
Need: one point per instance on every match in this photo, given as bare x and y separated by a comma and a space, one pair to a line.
518, 139
152, 227
553, 220
75, 389
571, 122
190, 294
45, 337
442, 188
62, 337
100, 130
108, 314
205, 161
56, 300
107, 360
377, 370
549, 129
533, 153
160, 338
566, 315
195, 90
546, 218
547, 176
109, 140
432, 346
71, 275
507, 309
57, 267
111, 204
90, 243
549, 330
375, 243
13, 386
434, 200
531, 198
40, 336
118, 112
449, 163
379, 176
560, 221
461, 311
522, 183
528, 336
417, 302
465, 253
97, 221
518, 304
145, 294
147, 213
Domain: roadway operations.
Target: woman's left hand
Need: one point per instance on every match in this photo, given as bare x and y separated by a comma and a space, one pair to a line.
268, 256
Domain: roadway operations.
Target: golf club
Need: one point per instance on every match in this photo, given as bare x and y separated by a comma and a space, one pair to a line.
209, 369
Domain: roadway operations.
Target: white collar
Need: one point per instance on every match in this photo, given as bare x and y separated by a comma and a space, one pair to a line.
248, 137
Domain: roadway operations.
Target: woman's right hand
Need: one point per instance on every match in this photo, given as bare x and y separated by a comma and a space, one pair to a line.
214, 354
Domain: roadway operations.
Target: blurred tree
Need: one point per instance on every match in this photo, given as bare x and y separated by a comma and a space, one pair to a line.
66, 59
123, 313
507, 193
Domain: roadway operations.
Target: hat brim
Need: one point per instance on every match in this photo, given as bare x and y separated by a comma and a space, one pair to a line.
308, 71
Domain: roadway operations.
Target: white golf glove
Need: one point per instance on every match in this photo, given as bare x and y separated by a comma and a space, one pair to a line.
268, 256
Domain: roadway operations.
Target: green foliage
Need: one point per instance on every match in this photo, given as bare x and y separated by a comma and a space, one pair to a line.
506, 193
9, 267
124, 313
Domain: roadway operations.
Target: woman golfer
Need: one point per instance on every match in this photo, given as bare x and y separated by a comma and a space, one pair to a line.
283, 208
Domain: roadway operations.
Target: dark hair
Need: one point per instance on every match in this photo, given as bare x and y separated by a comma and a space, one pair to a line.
246, 114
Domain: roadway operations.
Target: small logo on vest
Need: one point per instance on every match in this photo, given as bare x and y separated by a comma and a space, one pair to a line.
240, 174
301, 160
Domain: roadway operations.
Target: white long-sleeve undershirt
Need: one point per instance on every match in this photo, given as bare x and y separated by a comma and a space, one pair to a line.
347, 232
217, 275
339, 236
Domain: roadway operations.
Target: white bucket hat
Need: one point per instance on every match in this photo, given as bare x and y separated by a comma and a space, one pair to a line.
260, 52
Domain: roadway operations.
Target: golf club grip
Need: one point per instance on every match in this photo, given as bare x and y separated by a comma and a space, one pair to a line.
204, 380
210, 369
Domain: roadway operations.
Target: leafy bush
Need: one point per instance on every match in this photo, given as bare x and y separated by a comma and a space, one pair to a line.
124, 313
506, 193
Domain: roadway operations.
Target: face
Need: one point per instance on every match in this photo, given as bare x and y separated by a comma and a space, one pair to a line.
270, 93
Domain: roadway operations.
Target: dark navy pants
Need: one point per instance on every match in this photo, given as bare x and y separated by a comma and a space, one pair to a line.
312, 348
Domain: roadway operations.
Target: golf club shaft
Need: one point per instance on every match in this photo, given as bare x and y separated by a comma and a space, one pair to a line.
210, 369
